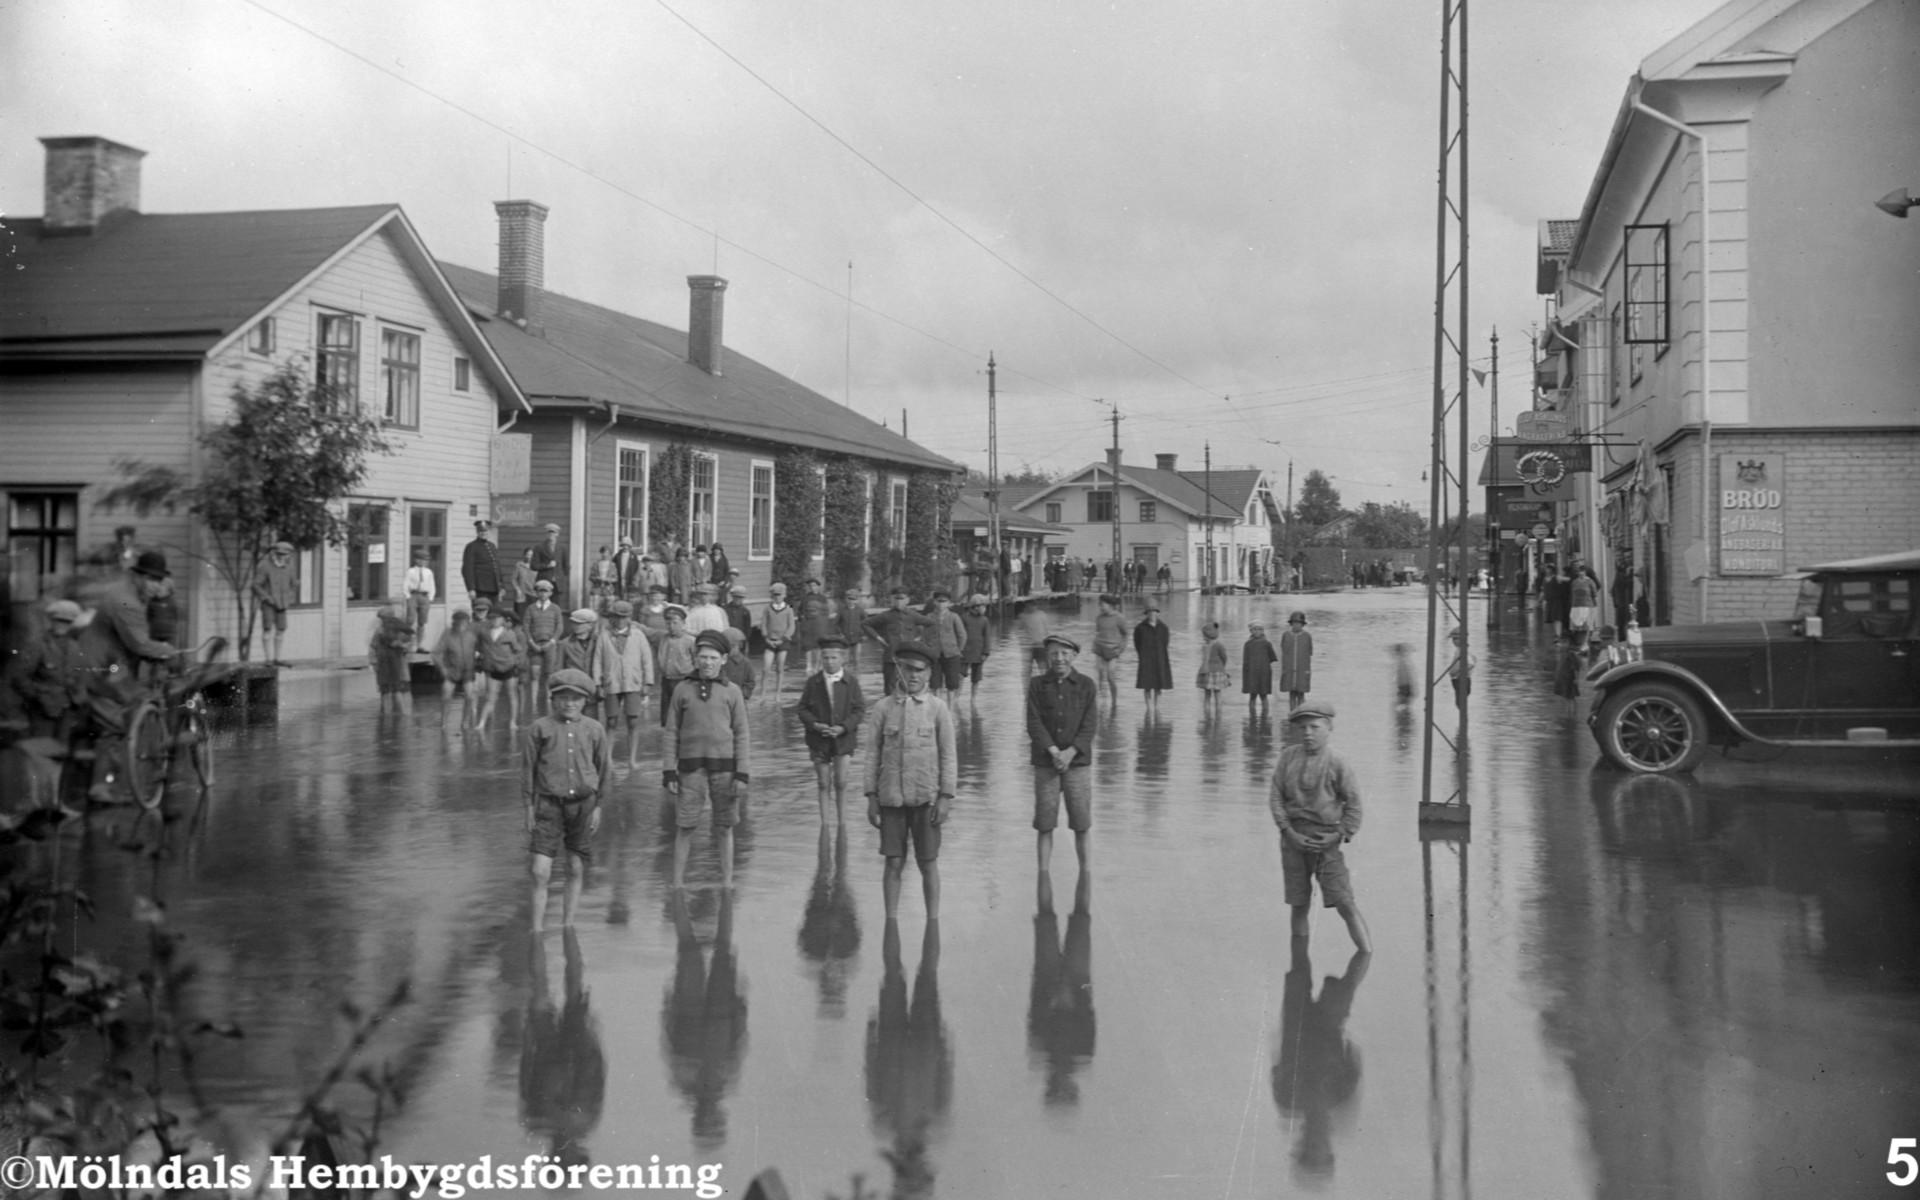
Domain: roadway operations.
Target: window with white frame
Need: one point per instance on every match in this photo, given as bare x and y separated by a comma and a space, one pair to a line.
1647, 311
630, 494
1053, 512
760, 512
897, 511
1149, 512
702, 502
260, 337
400, 377
336, 359
462, 373
43, 541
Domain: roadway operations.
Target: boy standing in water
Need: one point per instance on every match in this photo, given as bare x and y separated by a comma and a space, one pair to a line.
1315, 800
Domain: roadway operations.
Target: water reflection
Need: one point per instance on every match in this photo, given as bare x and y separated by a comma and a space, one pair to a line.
1153, 748
704, 1020
830, 925
1060, 1019
1316, 1068
909, 1062
563, 1071
1257, 736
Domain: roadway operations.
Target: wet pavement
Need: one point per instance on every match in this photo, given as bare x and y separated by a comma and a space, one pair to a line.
1614, 987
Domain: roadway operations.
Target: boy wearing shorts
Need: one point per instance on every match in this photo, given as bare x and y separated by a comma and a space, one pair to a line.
979, 634
568, 758
911, 776
1062, 710
948, 637
831, 708
1315, 801
1109, 642
629, 665
706, 756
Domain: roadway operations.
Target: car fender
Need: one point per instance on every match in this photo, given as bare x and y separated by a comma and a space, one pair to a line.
1665, 672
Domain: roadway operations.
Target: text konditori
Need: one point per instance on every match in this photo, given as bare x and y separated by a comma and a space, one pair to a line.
448, 1181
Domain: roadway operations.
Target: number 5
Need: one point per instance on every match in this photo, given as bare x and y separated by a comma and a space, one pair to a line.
1897, 1153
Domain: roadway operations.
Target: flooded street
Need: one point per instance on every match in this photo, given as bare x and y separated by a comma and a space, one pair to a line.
1615, 987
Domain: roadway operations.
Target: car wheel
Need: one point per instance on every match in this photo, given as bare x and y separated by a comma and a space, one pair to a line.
1653, 728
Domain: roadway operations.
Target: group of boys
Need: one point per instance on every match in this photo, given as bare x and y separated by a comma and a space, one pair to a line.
911, 770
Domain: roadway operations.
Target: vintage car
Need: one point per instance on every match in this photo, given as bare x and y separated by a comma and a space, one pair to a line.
1843, 670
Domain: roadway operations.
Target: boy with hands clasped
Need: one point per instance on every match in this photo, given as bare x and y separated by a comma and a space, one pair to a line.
1316, 803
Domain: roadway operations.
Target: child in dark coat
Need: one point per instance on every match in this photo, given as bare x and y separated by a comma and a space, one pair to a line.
1256, 667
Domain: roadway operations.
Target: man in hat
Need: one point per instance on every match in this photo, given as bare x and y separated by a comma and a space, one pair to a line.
1062, 710
545, 625
894, 627
480, 567
1315, 800
118, 639
911, 778
629, 674
706, 612
707, 756
550, 561
831, 708
275, 589
567, 759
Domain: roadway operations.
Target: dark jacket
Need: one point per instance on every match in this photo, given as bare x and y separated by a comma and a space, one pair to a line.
1062, 713
1150, 644
480, 568
846, 707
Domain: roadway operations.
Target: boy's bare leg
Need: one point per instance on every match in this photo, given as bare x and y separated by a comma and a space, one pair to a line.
1081, 844
930, 888
840, 789
540, 867
1357, 926
633, 743
890, 884
723, 846
1043, 845
1300, 912
576, 881
823, 780
682, 846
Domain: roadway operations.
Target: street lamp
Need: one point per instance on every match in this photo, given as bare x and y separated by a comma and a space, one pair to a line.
1896, 203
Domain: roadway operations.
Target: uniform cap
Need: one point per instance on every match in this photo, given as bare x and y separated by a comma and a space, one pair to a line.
571, 679
913, 655
1308, 711
713, 638
674, 610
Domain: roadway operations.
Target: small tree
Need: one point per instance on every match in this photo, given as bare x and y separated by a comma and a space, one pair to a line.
1319, 501
272, 472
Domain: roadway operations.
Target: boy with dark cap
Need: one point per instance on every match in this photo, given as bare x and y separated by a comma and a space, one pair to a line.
585, 652
629, 660
911, 777
706, 756
568, 759
274, 591
1315, 800
1062, 709
674, 656
979, 634
831, 708
892, 628
947, 638
544, 625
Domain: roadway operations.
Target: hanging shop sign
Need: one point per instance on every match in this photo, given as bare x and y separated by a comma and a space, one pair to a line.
1543, 471
1753, 514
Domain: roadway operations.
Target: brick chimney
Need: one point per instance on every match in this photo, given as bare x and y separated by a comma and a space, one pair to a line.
1164, 462
89, 179
704, 319
523, 258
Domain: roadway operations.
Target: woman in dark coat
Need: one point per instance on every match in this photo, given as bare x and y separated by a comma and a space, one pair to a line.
1150, 640
718, 566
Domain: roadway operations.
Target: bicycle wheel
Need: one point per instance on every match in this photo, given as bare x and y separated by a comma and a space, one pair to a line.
199, 742
149, 755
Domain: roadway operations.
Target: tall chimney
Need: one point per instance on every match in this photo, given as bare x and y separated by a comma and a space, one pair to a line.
523, 257
709, 307
1164, 462
88, 179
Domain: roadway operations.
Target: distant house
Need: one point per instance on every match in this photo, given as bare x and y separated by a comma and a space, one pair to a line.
123, 334
665, 436
1022, 534
1165, 516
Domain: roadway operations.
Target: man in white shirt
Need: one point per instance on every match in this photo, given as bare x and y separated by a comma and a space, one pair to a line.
420, 594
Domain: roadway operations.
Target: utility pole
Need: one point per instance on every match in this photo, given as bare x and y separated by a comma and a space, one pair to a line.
993, 467
1117, 560
1491, 535
1206, 507
1303, 574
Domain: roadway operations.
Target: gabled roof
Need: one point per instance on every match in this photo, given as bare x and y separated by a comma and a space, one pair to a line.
584, 353
1555, 246
970, 508
1234, 488
179, 285
1170, 487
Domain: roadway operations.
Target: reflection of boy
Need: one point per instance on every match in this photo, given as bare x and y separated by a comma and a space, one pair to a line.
1316, 1070
1315, 800
563, 1070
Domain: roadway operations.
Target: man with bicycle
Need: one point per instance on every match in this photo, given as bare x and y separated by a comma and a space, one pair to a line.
116, 641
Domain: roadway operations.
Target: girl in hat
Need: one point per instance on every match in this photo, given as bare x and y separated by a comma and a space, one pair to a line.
1256, 667
1296, 661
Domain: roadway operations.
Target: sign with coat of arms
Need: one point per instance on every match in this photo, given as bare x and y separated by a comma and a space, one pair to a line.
1753, 514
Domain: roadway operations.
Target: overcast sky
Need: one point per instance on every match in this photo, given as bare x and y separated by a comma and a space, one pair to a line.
1224, 208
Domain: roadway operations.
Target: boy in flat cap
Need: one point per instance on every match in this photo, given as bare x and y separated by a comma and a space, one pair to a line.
544, 625
274, 591
911, 777
674, 656
568, 759
831, 708
629, 660
706, 756
584, 650
1062, 710
1315, 801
